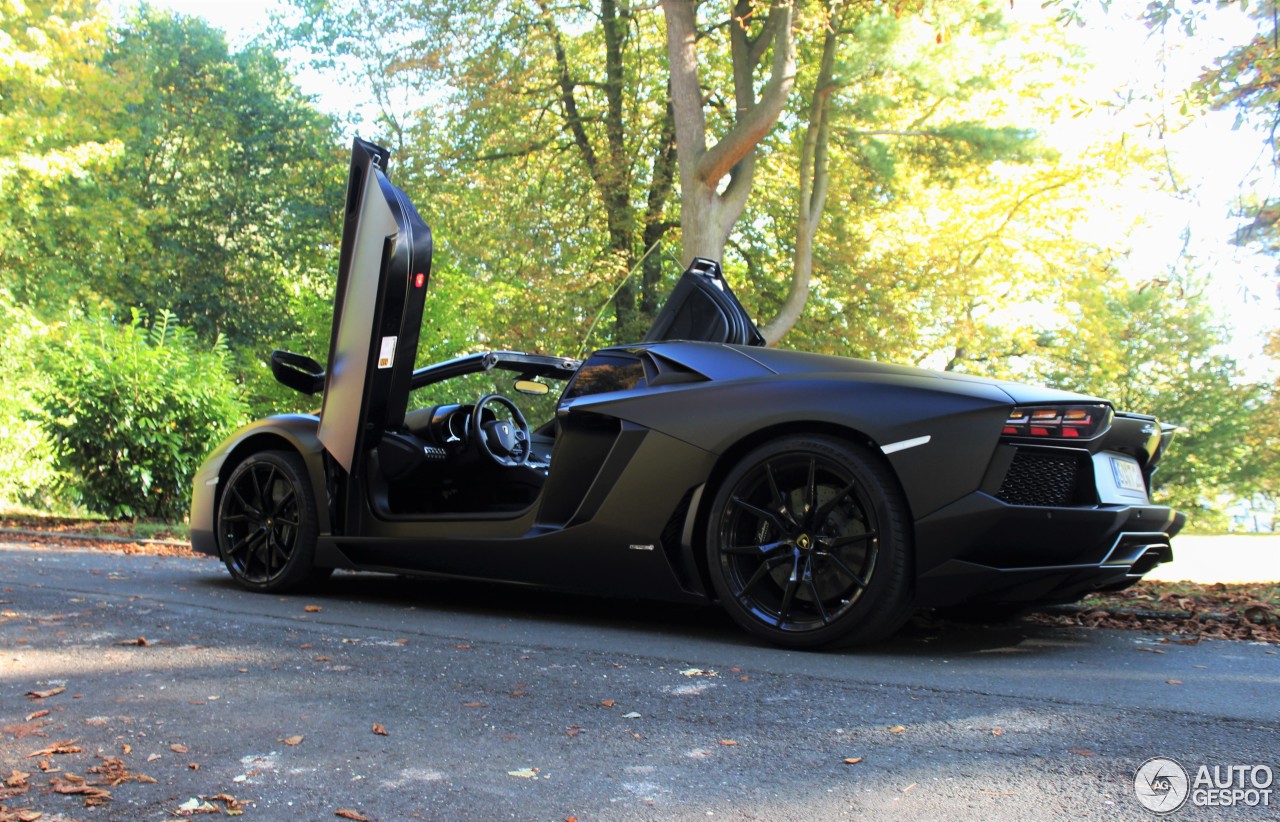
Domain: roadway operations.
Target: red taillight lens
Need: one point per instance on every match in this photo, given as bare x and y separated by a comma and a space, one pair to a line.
1073, 422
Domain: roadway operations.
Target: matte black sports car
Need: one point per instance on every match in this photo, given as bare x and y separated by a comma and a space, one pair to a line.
818, 499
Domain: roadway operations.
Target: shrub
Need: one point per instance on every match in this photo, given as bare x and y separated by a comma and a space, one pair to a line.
131, 410
27, 474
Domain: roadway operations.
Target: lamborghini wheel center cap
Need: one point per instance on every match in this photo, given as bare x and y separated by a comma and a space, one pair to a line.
803, 542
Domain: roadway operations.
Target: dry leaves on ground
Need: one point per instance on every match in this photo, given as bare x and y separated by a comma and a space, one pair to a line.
71, 784
66, 746
1182, 609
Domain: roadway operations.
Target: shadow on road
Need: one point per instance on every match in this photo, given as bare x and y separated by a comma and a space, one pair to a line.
925, 635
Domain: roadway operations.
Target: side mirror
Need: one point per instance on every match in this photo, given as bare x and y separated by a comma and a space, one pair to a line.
532, 387
298, 372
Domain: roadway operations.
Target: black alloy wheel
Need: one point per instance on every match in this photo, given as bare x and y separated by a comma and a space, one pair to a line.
807, 544
267, 523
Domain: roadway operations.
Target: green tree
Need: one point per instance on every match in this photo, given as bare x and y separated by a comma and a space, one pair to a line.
234, 176
1156, 348
54, 97
523, 92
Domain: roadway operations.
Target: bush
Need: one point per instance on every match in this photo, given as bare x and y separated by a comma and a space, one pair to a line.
27, 474
132, 409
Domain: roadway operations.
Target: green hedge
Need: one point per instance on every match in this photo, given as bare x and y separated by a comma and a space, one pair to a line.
131, 409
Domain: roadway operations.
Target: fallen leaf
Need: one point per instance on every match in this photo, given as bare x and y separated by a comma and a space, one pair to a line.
70, 784
45, 694
1151, 650
153, 757
312, 609
38, 714
631, 715
126, 748
193, 766
230, 801
355, 816
380, 729
291, 740
897, 729
17, 779
178, 747
698, 672
67, 746
19, 730
402, 641
1081, 752
852, 760
194, 805
728, 743
524, 773
1174, 681
114, 772
607, 703
322, 659
997, 731
473, 705
21, 815
462, 646
910, 787
141, 642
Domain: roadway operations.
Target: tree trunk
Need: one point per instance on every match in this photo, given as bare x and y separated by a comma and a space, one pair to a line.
708, 214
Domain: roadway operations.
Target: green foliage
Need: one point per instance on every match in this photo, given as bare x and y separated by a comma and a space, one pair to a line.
1155, 348
27, 472
131, 409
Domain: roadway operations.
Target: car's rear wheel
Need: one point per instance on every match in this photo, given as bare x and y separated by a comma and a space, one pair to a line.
808, 544
267, 523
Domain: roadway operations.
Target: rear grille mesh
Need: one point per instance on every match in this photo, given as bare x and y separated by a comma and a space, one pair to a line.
1042, 478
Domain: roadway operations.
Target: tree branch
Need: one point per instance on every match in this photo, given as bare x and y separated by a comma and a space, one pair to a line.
757, 119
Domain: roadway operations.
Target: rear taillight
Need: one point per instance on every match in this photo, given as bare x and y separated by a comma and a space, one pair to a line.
1062, 422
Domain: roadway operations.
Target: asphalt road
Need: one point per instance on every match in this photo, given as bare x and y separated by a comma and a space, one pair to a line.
400, 699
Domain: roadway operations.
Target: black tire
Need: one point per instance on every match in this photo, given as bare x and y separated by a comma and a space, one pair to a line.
267, 524
808, 544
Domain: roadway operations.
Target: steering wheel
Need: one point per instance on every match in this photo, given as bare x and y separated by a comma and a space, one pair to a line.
504, 442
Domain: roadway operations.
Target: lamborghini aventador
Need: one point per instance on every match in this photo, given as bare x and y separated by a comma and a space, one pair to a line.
818, 500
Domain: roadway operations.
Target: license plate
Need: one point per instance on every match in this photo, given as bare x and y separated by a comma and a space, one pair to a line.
1127, 474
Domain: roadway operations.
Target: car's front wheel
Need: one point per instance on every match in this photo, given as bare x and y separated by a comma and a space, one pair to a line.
267, 523
808, 544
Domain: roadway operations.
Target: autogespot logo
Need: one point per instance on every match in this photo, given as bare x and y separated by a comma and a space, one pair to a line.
1161, 785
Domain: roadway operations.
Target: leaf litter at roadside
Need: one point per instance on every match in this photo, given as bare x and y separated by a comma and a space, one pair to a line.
1186, 610
97, 535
